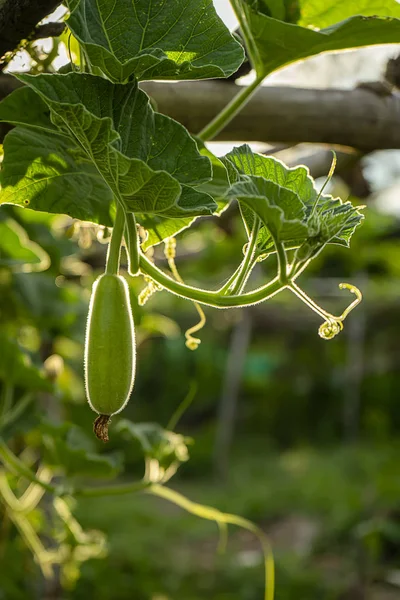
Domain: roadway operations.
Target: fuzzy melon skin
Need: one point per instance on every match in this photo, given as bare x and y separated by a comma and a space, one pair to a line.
110, 354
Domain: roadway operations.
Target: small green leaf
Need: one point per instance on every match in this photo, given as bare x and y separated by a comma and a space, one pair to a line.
281, 211
277, 194
338, 220
18, 252
297, 179
163, 39
278, 43
332, 222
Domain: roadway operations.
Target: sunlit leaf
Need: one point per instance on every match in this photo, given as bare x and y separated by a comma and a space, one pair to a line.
284, 199
278, 43
109, 142
47, 172
322, 13
163, 39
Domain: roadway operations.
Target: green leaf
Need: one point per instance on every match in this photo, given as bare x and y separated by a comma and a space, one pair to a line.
333, 222
277, 194
278, 43
174, 150
337, 220
281, 211
18, 252
165, 447
71, 99
47, 173
322, 14
163, 39
69, 447
284, 199
219, 184
159, 229
115, 134
297, 179
24, 107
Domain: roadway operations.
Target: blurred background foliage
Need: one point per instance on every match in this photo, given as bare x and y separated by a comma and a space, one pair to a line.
297, 434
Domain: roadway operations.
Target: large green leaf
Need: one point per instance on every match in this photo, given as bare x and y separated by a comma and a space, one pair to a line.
72, 99
136, 155
24, 107
47, 173
159, 229
155, 39
278, 43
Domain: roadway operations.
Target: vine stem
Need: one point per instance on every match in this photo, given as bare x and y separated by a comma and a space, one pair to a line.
293, 287
112, 490
282, 262
215, 299
231, 280
296, 269
221, 518
248, 261
230, 110
132, 242
114, 248
252, 50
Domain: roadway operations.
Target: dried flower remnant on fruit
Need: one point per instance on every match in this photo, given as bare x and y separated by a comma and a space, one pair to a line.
100, 427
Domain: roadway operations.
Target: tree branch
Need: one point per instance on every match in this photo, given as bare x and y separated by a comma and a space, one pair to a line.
357, 118
48, 30
18, 19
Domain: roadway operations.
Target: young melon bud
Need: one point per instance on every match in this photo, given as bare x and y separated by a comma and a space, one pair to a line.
110, 354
